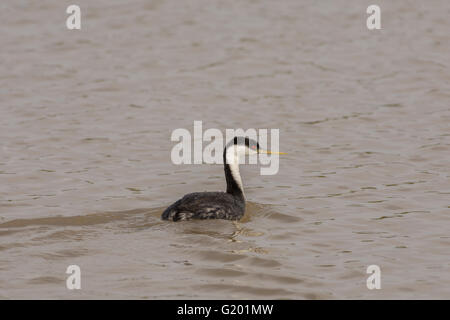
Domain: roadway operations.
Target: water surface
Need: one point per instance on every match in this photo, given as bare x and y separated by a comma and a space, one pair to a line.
85, 171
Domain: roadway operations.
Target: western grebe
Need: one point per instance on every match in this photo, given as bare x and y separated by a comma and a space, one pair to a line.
219, 205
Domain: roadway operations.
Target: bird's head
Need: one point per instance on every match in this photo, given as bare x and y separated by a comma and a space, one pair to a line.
246, 146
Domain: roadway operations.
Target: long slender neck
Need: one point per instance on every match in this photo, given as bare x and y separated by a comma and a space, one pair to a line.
232, 175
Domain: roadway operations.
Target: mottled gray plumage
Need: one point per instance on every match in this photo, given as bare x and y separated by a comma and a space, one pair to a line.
206, 205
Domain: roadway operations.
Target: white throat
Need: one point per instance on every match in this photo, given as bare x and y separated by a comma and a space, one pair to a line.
232, 157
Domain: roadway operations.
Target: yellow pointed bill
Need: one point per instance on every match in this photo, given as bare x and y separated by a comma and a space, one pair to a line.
270, 152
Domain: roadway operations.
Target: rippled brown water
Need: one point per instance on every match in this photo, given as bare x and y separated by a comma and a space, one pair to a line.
85, 170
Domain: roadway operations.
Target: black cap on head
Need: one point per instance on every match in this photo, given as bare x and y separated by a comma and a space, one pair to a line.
249, 143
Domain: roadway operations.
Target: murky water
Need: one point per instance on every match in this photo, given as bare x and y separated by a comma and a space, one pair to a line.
85, 170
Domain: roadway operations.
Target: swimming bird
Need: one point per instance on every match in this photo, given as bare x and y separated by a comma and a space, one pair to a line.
219, 205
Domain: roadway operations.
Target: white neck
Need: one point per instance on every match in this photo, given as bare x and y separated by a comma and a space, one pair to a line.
232, 157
